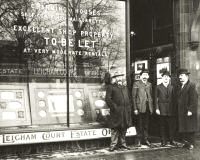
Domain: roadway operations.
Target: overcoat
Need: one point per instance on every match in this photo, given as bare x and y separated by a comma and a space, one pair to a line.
165, 100
187, 101
142, 94
118, 100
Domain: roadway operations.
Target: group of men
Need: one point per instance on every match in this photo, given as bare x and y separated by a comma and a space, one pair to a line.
171, 103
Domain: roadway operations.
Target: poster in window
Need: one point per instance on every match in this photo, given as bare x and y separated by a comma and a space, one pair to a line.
161, 67
139, 65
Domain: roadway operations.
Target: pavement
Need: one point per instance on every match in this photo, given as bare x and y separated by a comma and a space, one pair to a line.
100, 154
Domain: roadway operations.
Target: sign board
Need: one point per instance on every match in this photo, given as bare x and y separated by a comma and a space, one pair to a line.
14, 105
58, 136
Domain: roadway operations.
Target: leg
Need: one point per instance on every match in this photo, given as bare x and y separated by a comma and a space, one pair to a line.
139, 129
122, 139
172, 128
163, 130
191, 139
146, 128
114, 139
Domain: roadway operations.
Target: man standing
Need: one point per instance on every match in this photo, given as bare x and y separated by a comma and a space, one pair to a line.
166, 109
117, 99
187, 108
143, 107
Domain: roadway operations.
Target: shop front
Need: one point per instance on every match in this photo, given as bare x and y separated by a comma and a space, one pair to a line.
54, 55
166, 36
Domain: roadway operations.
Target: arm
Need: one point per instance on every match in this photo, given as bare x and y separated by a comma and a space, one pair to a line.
156, 100
193, 100
109, 99
134, 96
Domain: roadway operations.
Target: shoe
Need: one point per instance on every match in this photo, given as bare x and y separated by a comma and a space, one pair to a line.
146, 142
191, 147
138, 143
111, 149
163, 144
173, 143
125, 147
186, 145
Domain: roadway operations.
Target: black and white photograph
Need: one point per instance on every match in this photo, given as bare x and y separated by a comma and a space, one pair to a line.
99, 79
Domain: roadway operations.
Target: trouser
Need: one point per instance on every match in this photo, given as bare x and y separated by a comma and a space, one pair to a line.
167, 128
142, 125
118, 136
188, 137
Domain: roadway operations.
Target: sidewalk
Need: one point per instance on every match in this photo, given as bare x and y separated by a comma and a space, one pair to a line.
91, 153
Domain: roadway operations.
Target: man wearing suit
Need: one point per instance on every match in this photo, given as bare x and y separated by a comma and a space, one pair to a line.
187, 108
166, 109
143, 106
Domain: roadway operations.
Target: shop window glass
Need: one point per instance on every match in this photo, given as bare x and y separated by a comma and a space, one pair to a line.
46, 43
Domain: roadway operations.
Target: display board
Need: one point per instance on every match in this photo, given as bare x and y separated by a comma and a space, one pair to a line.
14, 105
49, 105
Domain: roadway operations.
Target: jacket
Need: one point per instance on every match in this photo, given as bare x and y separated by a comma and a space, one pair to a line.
141, 95
187, 101
118, 100
165, 100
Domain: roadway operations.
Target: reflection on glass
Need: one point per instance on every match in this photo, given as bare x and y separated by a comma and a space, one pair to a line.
9, 116
42, 113
7, 95
35, 37
3, 105
80, 112
105, 112
79, 103
14, 105
100, 103
78, 94
42, 104
41, 94
58, 103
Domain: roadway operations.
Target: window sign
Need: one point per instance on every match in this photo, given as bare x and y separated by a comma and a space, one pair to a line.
37, 38
162, 64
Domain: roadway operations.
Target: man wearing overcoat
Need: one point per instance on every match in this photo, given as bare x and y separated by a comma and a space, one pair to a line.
118, 100
187, 108
143, 106
166, 109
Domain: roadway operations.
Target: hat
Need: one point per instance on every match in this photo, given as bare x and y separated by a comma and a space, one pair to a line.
117, 74
165, 72
144, 71
183, 71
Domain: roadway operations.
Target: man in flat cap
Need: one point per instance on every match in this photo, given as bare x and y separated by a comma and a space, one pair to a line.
143, 106
118, 100
187, 108
166, 109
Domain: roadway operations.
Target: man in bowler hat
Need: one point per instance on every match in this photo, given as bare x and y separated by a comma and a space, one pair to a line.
187, 108
118, 100
166, 109
143, 106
